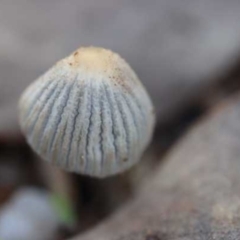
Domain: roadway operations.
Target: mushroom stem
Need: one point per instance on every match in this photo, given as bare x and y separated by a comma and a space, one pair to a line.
61, 187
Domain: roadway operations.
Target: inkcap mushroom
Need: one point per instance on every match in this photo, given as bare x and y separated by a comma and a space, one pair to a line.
88, 114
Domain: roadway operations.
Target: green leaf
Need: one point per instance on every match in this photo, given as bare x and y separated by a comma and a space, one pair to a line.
63, 209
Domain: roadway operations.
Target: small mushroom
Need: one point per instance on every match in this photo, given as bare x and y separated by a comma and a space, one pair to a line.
88, 114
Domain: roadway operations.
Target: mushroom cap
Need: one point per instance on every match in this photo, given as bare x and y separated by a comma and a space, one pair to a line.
88, 114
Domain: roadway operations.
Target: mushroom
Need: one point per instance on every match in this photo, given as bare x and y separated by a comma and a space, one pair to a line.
88, 114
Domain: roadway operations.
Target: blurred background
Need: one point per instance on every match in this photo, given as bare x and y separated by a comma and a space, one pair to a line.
186, 53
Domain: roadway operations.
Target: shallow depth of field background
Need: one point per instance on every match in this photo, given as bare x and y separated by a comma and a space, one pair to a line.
186, 53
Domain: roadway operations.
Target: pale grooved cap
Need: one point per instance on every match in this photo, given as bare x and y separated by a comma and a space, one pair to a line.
88, 114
